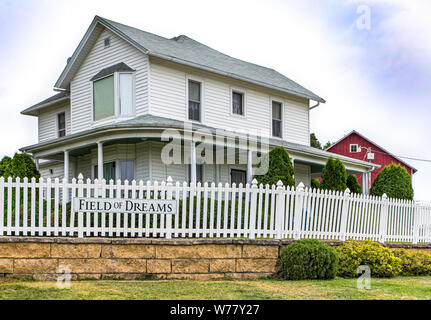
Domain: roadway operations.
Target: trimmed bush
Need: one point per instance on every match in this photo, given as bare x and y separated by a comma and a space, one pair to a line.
309, 259
395, 181
21, 165
279, 168
381, 260
414, 263
353, 184
315, 184
334, 176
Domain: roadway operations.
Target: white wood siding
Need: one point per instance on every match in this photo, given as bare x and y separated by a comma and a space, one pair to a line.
98, 59
47, 122
168, 95
302, 174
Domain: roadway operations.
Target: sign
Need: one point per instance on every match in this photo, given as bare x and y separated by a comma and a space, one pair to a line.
143, 206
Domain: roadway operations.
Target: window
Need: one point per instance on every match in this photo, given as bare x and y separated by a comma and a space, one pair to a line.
199, 173
238, 103
104, 102
107, 42
238, 176
127, 170
61, 124
108, 171
276, 119
126, 94
195, 102
354, 148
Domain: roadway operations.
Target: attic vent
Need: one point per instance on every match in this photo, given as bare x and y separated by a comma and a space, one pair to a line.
107, 42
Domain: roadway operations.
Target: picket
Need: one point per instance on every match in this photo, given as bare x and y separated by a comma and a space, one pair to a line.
41, 208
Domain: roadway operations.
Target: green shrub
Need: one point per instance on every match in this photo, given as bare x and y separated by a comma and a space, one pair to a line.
395, 181
353, 184
315, 184
21, 165
280, 167
381, 260
309, 259
334, 176
414, 263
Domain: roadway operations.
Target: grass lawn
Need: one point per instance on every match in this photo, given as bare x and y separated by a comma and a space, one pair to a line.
396, 288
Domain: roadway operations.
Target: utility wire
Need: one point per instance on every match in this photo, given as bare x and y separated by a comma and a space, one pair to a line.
409, 158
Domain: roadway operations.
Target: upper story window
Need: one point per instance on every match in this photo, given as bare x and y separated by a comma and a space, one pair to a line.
195, 100
238, 103
107, 42
61, 124
113, 92
277, 108
354, 148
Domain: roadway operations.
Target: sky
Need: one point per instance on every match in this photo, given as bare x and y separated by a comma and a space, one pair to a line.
370, 60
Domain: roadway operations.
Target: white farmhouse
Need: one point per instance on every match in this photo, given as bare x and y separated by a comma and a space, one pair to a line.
123, 88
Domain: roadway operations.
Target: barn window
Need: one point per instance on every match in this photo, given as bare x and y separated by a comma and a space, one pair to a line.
354, 148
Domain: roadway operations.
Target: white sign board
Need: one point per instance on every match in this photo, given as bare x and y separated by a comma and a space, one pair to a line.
142, 206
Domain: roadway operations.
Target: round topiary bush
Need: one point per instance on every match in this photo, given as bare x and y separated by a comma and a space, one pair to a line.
395, 181
309, 259
381, 260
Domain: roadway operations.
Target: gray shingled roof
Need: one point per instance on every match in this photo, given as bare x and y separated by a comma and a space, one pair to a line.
33, 110
185, 50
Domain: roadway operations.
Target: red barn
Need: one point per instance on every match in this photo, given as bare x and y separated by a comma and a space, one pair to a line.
355, 145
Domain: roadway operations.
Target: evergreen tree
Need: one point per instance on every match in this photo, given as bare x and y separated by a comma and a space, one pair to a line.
395, 181
279, 166
334, 176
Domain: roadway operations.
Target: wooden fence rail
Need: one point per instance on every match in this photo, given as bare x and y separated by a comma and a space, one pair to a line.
43, 208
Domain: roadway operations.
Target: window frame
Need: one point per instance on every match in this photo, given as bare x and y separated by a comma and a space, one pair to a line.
243, 92
202, 106
106, 162
189, 173
57, 124
350, 148
117, 111
237, 169
280, 101
108, 38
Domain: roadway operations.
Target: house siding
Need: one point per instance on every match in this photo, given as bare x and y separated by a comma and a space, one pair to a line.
302, 174
98, 59
168, 95
47, 122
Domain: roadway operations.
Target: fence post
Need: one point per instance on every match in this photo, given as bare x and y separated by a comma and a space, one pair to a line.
80, 214
299, 196
2, 201
416, 213
383, 219
344, 214
169, 186
253, 201
279, 210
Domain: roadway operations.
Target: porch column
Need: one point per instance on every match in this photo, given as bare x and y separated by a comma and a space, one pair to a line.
100, 161
249, 166
66, 165
193, 163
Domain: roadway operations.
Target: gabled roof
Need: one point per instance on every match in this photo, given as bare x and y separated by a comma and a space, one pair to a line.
55, 99
372, 142
110, 70
186, 51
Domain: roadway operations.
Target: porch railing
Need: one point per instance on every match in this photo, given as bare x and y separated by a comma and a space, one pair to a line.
43, 208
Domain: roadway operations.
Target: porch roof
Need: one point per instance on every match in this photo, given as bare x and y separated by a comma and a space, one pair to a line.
302, 153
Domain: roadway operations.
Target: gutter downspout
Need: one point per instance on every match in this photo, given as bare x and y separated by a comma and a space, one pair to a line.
315, 106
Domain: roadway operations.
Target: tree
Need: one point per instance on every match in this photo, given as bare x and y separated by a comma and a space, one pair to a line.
353, 184
21, 165
280, 167
314, 142
395, 181
334, 176
327, 145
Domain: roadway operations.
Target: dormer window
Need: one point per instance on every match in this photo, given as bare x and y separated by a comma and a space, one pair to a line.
113, 92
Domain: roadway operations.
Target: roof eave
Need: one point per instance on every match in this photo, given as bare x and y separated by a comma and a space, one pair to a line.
31, 111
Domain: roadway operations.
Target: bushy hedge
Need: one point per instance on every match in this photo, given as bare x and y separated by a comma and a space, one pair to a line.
334, 176
381, 260
280, 167
21, 165
309, 259
353, 184
395, 181
414, 263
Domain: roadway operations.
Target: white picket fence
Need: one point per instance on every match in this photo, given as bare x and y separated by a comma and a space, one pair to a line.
41, 208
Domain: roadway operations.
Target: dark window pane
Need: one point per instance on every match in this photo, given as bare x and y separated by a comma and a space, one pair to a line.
238, 176
194, 100
276, 119
199, 173
127, 170
237, 103
61, 120
108, 171
276, 128
276, 110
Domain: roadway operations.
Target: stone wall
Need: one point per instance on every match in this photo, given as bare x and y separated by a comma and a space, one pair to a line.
102, 258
